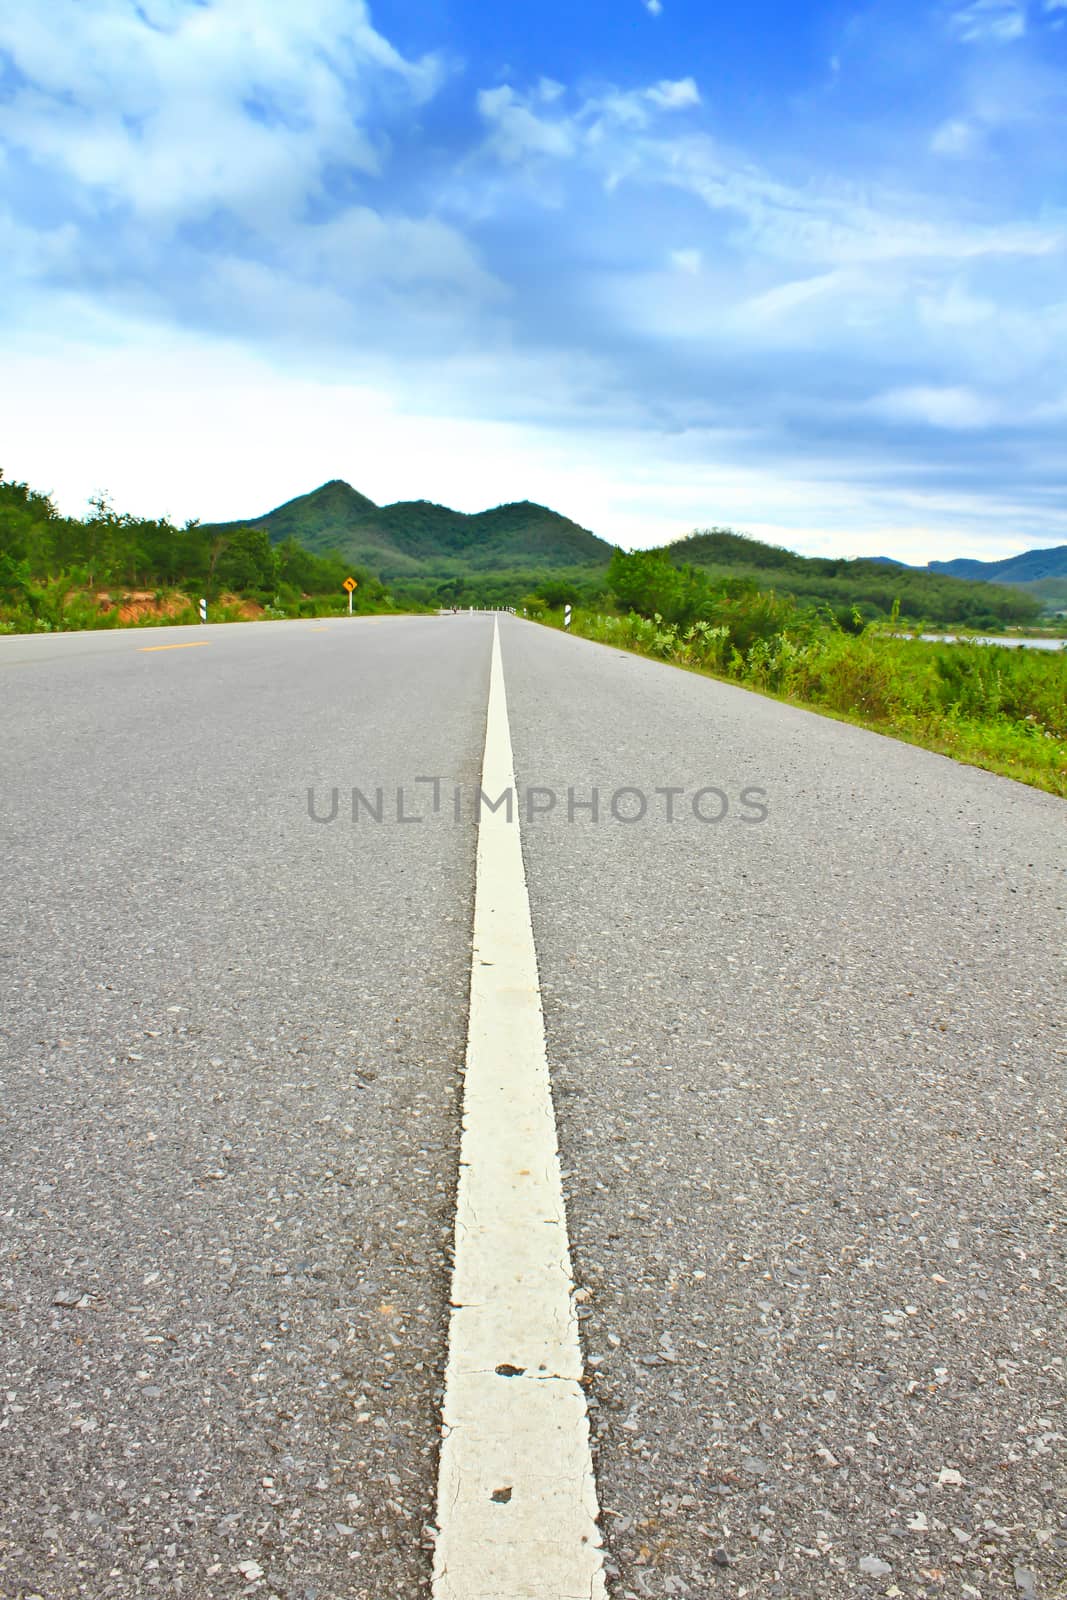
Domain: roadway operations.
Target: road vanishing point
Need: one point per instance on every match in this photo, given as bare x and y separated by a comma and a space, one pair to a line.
489, 1117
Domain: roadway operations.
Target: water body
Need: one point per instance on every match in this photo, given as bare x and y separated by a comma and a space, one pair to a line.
991, 638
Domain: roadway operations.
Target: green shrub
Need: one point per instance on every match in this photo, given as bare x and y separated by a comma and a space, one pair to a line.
1005, 709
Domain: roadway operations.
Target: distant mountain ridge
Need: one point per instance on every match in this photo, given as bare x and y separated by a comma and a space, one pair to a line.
1029, 567
875, 585
1033, 566
430, 551
414, 538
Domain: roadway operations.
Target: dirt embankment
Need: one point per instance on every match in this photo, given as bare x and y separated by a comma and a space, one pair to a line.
137, 605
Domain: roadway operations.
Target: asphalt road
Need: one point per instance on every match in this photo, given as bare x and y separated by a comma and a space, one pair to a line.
231, 1045
809, 1080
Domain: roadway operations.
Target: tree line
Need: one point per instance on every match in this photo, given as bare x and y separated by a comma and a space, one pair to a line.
44, 554
653, 582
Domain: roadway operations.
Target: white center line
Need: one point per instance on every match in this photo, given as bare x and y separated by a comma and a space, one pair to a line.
517, 1502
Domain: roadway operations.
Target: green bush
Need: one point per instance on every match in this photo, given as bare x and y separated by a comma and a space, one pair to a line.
559, 593
1005, 709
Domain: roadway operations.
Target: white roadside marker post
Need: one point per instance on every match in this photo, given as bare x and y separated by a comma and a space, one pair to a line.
203, 610
566, 616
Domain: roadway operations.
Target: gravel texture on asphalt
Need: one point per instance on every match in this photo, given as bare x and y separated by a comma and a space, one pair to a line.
809, 1076
230, 1047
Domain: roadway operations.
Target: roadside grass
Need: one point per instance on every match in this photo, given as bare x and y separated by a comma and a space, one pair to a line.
1004, 710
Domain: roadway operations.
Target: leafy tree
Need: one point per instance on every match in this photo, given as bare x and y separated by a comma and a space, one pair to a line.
15, 584
245, 561
559, 593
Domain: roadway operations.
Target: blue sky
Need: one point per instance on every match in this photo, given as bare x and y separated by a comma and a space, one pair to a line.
799, 269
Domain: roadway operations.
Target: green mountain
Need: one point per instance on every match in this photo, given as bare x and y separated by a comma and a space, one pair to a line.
873, 584
1041, 574
1030, 567
416, 538
1038, 571
430, 554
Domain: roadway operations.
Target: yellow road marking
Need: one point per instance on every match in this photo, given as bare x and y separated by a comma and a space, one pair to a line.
146, 649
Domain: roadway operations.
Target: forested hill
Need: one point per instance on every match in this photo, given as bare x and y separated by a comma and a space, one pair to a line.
872, 584
429, 555
413, 538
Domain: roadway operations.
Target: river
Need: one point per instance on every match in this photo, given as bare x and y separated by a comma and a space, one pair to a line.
1010, 642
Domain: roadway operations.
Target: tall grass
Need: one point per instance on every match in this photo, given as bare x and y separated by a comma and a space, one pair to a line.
998, 708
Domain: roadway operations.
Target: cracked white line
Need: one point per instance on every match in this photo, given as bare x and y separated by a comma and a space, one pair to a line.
517, 1503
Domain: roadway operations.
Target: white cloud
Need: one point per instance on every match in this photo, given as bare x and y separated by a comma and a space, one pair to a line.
30, 253
952, 407
629, 108
825, 222
217, 167
653, 7
517, 132
185, 108
990, 21
580, 441
840, 315
358, 247
120, 406
193, 146
391, 288
782, 301
674, 95
688, 261
535, 126
833, 222
954, 138
956, 307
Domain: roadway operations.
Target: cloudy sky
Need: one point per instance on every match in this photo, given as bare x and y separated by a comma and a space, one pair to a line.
796, 268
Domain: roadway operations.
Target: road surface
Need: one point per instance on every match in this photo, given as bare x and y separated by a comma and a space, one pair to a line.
806, 1053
